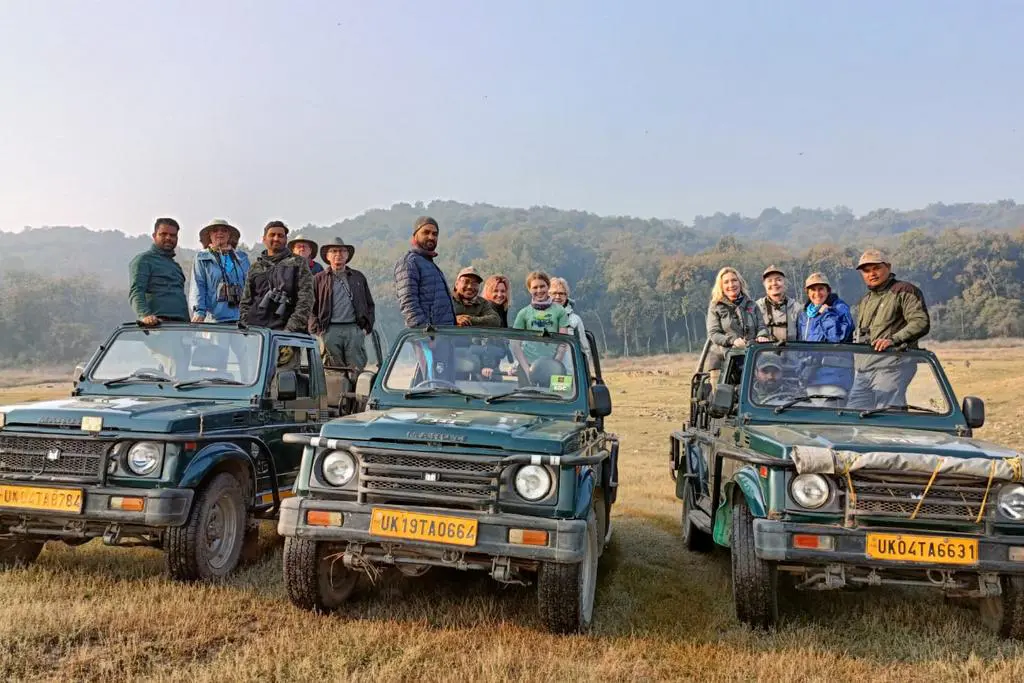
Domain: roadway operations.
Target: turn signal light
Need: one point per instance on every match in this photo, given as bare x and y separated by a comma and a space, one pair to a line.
324, 518
1017, 554
812, 542
128, 504
527, 536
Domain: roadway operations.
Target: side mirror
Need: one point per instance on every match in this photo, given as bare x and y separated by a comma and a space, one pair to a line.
364, 384
722, 399
974, 410
76, 374
600, 401
287, 385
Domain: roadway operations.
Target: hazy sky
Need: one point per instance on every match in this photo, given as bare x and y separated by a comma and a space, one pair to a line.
113, 113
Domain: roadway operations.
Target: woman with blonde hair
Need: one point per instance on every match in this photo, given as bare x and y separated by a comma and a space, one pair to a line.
498, 291
560, 292
733, 319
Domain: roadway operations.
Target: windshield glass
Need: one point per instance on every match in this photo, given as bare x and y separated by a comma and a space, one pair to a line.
486, 364
828, 378
181, 355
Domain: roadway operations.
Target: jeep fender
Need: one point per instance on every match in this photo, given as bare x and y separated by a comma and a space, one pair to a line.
212, 457
584, 492
747, 483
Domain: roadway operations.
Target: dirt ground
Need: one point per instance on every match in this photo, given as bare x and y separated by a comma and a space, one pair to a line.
662, 613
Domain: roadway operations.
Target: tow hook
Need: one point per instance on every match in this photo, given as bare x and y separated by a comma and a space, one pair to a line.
501, 571
112, 535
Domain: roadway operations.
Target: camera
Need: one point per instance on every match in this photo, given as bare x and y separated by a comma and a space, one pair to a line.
275, 296
232, 294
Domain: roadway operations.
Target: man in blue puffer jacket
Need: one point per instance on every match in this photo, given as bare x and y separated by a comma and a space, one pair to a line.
826, 318
422, 290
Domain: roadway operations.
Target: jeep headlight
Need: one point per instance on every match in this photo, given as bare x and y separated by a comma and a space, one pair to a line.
532, 482
1011, 501
810, 491
339, 467
145, 457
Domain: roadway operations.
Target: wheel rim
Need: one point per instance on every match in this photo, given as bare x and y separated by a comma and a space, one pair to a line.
588, 577
221, 532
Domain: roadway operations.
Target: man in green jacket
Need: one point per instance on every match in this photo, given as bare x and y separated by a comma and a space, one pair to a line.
893, 313
470, 309
156, 291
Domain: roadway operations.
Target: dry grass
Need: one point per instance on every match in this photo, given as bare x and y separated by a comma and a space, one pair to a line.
662, 613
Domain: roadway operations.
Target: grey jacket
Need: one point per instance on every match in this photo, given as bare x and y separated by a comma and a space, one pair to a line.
780, 319
729, 321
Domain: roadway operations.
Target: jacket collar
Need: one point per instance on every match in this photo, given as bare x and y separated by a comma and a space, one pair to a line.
162, 252
277, 258
430, 255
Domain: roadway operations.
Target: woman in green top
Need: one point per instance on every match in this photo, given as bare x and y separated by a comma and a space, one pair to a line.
541, 314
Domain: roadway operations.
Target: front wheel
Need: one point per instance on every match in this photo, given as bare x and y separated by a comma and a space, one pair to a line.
209, 544
19, 553
315, 576
565, 592
754, 581
1004, 613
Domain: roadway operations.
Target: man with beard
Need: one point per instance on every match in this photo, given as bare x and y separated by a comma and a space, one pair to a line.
156, 292
422, 291
769, 387
278, 291
778, 311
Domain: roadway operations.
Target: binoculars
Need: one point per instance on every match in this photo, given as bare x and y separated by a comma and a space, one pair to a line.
232, 294
275, 296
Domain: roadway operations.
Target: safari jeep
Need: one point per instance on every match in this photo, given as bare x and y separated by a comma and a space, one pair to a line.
172, 438
833, 466
459, 463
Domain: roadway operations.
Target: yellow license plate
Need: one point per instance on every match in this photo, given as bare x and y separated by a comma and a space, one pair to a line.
422, 527
41, 498
926, 549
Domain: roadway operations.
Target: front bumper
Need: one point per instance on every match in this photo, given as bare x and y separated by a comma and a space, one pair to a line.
162, 508
566, 537
773, 540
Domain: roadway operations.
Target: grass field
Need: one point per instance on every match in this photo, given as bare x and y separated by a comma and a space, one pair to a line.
662, 613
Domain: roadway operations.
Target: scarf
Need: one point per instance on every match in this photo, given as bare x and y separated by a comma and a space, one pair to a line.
542, 305
812, 310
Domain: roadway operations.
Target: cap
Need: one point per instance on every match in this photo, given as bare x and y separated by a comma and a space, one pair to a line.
423, 220
770, 270
469, 271
817, 279
769, 360
872, 256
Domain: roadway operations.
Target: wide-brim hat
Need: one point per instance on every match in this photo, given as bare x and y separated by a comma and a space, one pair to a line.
204, 234
313, 246
337, 242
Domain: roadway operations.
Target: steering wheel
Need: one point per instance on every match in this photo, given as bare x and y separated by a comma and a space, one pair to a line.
436, 383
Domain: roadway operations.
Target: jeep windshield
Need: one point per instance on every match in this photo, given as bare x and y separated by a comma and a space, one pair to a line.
848, 378
483, 365
200, 356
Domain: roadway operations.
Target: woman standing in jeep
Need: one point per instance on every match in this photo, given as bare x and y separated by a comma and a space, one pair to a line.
733, 319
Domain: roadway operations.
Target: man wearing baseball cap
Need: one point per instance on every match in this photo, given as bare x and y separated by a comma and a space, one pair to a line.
422, 290
892, 313
778, 311
470, 309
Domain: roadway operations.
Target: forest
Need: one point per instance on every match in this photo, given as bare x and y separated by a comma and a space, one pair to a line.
640, 285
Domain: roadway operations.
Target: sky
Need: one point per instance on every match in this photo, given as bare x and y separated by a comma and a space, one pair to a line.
116, 112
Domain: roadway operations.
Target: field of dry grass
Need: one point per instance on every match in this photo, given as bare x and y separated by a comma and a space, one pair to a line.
662, 613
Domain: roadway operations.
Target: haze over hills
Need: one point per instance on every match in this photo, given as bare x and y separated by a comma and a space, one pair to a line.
640, 284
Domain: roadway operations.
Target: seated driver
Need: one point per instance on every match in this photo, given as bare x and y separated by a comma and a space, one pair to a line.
770, 387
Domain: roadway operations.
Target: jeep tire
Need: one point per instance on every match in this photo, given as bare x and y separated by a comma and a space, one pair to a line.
695, 539
1004, 614
19, 553
315, 576
755, 591
209, 544
565, 592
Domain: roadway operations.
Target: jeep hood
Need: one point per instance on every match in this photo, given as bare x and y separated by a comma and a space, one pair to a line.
126, 413
869, 438
469, 428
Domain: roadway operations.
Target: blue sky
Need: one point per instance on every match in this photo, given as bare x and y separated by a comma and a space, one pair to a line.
116, 112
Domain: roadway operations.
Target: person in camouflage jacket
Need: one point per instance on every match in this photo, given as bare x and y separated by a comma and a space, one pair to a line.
278, 291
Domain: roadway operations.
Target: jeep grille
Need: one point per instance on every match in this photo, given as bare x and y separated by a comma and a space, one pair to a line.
947, 500
460, 481
77, 459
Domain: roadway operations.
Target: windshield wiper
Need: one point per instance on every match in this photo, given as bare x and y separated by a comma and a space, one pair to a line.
138, 376
876, 411
524, 392
801, 399
437, 391
209, 380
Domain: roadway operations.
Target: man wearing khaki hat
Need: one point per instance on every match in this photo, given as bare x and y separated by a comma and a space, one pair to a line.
892, 313
470, 309
778, 311
343, 309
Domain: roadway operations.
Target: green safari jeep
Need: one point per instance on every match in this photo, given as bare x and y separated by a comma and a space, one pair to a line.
172, 438
461, 462
832, 466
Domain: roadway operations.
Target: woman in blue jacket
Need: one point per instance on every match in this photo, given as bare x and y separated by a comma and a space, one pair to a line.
826, 318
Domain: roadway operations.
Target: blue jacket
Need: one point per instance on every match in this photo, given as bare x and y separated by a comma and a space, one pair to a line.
207, 274
834, 326
423, 293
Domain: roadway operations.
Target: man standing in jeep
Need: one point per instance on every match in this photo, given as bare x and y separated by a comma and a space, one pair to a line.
218, 274
278, 291
420, 286
343, 312
892, 313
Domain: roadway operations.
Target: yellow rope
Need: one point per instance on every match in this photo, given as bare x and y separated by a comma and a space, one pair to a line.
928, 488
984, 499
1017, 467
